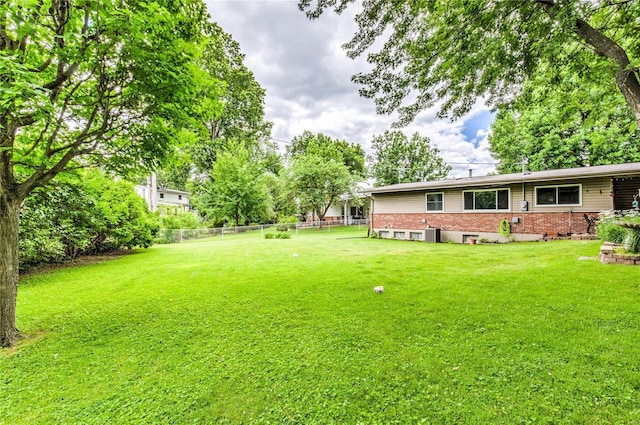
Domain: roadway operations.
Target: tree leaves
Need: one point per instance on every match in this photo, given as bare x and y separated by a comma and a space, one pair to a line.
455, 52
396, 159
562, 120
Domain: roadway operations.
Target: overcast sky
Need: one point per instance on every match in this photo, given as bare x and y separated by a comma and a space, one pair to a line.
307, 77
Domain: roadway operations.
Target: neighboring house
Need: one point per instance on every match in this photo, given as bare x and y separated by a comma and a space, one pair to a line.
169, 200
344, 211
536, 204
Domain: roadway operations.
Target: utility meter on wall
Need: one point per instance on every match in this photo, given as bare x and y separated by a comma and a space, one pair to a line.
524, 205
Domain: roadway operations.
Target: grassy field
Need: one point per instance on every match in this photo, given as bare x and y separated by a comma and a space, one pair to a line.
241, 330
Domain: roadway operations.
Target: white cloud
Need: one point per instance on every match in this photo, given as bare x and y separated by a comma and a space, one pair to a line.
307, 77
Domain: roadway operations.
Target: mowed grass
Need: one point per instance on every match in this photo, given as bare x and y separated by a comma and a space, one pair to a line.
239, 330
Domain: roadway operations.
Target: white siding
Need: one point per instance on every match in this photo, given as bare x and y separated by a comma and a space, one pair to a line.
595, 197
400, 203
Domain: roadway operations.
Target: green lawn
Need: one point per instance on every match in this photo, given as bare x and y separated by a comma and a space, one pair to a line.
239, 330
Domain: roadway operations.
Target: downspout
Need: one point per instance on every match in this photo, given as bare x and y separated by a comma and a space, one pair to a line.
524, 213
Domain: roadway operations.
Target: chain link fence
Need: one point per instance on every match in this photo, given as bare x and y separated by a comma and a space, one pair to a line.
183, 235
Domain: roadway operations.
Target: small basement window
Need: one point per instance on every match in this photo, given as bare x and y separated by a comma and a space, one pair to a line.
383, 233
398, 235
415, 236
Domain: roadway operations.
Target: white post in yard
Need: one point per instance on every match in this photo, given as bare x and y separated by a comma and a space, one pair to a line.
346, 217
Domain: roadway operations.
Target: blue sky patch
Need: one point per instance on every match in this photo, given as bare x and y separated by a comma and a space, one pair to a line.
480, 121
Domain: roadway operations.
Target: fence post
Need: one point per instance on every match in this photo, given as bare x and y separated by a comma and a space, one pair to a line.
181, 230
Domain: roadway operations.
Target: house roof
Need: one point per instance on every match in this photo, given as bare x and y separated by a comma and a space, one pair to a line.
616, 170
176, 191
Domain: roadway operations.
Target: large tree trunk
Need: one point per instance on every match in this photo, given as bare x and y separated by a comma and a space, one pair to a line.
627, 77
9, 228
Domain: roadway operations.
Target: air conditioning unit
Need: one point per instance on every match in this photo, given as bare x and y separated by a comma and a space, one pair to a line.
432, 235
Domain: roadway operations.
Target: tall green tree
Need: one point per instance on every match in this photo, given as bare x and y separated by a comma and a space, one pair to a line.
281, 196
350, 154
242, 113
85, 83
236, 192
398, 159
456, 51
563, 120
318, 182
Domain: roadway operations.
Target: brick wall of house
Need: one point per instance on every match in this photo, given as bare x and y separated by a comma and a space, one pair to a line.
529, 222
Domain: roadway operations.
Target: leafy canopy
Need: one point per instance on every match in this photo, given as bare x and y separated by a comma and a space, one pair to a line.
398, 159
563, 120
236, 192
350, 154
318, 182
105, 83
457, 51
241, 116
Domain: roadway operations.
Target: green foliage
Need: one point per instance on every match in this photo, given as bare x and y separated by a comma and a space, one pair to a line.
610, 232
319, 182
125, 98
284, 227
350, 154
242, 114
564, 120
632, 243
107, 83
237, 192
396, 159
123, 219
56, 223
283, 235
182, 220
269, 235
87, 215
218, 331
281, 199
454, 52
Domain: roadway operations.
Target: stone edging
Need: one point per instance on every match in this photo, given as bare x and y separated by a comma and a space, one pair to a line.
608, 256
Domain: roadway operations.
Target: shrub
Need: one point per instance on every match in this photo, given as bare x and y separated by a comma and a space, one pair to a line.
283, 227
269, 235
610, 232
181, 220
283, 235
632, 243
82, 215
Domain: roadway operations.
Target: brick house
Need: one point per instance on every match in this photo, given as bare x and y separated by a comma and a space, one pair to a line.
535, 204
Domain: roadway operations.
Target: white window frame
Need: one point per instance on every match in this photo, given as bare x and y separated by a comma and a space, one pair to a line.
556, 186
426, 204
488, 190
